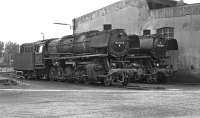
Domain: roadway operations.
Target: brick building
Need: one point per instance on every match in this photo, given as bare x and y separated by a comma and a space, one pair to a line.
166, 17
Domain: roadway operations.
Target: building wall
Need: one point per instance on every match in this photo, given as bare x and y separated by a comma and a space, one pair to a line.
186, 21
126, 14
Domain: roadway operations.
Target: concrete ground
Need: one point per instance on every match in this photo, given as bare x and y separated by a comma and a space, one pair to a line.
43, 99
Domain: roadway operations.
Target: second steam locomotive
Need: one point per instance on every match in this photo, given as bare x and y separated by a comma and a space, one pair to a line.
106, 56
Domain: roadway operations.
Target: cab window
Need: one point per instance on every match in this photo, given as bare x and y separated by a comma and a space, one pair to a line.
39, 49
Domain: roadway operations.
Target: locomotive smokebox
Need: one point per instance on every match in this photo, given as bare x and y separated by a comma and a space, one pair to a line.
107, 27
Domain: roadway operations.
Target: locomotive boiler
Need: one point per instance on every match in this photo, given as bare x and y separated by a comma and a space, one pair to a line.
114, 43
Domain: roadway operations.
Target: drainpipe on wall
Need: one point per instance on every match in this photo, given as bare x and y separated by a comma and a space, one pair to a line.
74, 26
74, 31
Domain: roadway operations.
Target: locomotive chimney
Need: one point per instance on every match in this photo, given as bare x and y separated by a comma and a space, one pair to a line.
146, 32
107, 27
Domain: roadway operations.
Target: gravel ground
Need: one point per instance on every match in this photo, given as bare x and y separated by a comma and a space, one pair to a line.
42, 99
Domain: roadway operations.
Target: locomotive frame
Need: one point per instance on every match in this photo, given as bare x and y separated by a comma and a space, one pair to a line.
97, 56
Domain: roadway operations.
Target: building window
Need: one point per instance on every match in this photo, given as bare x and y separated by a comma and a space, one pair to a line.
166, 32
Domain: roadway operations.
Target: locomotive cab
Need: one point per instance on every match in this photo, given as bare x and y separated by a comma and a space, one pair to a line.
30, 59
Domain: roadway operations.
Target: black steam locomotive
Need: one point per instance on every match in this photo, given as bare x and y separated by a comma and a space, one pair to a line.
96, 56
147, 54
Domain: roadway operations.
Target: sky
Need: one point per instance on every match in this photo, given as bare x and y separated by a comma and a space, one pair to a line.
24, 21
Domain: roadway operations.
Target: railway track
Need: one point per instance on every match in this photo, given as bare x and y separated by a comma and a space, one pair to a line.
14, 79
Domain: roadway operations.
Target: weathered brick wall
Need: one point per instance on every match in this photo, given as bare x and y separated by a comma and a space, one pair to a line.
125, 14
104, 11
